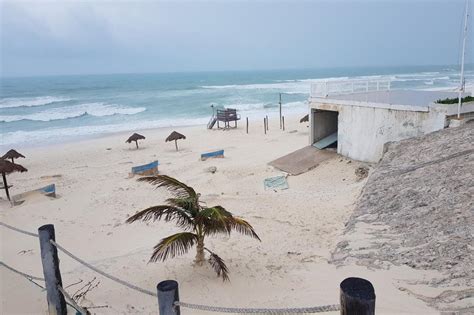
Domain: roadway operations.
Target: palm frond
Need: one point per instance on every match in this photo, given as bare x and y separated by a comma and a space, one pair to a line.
218, 265
218, 220
165, 212
187, 204
214, 220
173, 245
241, 226
173, 185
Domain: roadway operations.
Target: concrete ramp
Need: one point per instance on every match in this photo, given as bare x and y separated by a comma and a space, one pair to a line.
302, 160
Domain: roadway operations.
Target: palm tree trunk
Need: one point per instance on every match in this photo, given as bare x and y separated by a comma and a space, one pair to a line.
199, 252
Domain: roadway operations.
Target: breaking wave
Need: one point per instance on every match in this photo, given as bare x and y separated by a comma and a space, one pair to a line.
88, 109
30, 101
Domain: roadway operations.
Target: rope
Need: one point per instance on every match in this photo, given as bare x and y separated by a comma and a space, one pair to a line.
20, 273
18, 230
27, 276
316, 309
113, 278
72, 302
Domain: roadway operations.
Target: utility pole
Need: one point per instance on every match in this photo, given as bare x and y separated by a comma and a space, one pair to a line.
462, 83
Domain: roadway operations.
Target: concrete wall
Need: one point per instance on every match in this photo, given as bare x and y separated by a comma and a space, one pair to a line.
325, 123
363, 130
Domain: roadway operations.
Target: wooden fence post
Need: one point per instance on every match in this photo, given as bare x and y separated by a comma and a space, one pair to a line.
280, 112
168, 293
283, 122
265, 125
267, 121
247, 125
357, 297
52, 275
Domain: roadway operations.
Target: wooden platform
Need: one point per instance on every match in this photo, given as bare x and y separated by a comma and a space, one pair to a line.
302, 160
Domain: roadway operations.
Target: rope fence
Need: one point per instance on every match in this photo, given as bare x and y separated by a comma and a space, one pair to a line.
18, 230
167, 291
113, 278
235, 310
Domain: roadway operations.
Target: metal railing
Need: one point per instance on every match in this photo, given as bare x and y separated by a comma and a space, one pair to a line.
338, 87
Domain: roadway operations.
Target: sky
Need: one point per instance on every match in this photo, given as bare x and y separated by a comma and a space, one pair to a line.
103, 36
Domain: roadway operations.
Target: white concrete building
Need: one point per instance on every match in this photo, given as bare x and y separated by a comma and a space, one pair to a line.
364, 115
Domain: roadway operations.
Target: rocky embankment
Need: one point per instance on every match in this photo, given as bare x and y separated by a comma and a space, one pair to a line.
417, 209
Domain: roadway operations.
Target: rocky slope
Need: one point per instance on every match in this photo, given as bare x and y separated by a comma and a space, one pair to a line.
417, 209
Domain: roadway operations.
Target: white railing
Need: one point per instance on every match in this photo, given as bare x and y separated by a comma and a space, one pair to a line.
327, 88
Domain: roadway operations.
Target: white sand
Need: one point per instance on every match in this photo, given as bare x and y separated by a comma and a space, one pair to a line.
299, 227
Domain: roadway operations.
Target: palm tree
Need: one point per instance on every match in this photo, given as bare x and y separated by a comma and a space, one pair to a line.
195, 218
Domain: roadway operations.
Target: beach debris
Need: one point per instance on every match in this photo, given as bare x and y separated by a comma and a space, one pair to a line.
51, 176
48, 190
12, 155
361, 172
135, 137
304, 119
175, 136
293, 131
80, 294
276, 183
211, 169
7, 167
108, 149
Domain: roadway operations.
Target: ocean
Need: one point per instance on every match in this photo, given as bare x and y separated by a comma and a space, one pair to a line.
50, 109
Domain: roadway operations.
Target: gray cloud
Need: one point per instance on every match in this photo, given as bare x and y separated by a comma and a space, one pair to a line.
63, 37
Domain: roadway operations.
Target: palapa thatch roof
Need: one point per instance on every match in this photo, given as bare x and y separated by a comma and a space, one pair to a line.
135, 137
8, 167
175, 136
304, 119
12, 154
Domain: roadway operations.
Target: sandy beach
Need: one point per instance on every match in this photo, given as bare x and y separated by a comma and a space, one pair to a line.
299, 227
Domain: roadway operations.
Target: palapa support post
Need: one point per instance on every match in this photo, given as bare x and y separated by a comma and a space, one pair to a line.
357, 297
5, 184
247, 125
176, 144
52, 275
168, 294
283, 122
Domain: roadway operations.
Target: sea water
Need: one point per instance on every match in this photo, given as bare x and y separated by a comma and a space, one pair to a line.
51, 109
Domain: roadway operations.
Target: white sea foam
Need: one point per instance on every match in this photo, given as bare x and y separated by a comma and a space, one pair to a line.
92, 109
30, 101
46, 135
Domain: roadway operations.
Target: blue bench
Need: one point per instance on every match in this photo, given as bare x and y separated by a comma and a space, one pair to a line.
147, 169
215, 154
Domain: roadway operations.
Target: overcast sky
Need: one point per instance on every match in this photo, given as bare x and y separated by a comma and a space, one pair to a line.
81, 37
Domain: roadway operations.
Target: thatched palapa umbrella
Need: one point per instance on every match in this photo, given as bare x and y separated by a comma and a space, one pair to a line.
12, 154
304, 119
7, 167
175, 136
135, 137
